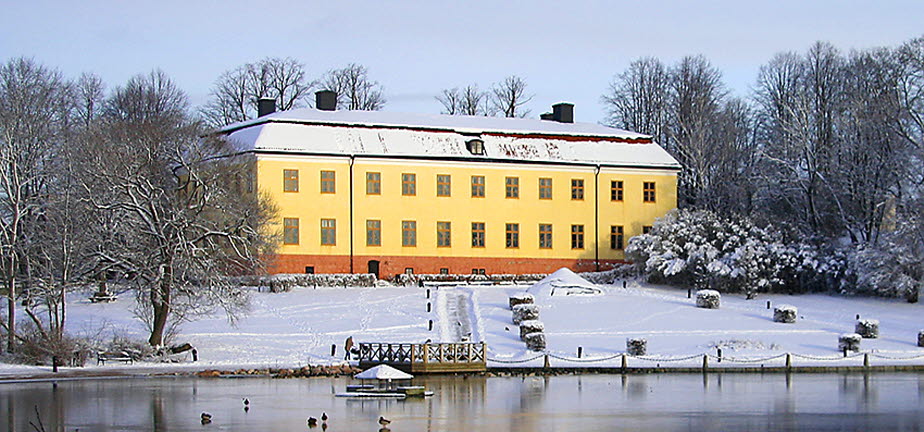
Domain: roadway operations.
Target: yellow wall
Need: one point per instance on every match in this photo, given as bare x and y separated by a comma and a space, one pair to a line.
461, 209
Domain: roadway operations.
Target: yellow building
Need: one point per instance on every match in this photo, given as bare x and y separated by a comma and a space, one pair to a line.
392, 193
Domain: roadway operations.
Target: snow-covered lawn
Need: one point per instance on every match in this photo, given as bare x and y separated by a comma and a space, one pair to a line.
298, 327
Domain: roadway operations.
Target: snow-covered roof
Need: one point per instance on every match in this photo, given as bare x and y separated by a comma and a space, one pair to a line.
376, 133
383, 372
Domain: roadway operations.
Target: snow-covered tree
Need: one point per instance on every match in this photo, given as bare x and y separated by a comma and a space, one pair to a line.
730, 254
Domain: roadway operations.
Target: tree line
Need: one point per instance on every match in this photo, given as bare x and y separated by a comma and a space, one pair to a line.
827, 147
117, 186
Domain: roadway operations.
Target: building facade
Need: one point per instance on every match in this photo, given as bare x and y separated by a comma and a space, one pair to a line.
393, 193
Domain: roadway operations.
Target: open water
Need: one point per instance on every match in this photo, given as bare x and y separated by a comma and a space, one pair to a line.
666, 402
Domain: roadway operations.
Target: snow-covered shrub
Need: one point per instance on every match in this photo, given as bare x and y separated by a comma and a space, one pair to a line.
849, 341
708, 299
285, 282
525, 312
535, 341
636, 346
609, 277
868, 328
785, 314
521, 298
416, 279
730, 254
889, 269
531, 326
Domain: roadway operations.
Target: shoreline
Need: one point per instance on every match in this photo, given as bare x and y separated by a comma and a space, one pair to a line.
284, 373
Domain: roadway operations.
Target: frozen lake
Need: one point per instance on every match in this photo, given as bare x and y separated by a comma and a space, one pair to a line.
887, 401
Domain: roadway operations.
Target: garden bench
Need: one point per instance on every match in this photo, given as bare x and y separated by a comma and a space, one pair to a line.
103, 357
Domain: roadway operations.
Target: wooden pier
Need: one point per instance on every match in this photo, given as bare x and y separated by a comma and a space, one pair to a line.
425, 357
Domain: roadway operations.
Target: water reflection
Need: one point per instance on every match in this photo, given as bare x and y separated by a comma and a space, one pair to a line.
585, 403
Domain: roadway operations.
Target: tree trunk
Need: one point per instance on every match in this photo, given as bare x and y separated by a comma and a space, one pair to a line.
160, 301
11, 317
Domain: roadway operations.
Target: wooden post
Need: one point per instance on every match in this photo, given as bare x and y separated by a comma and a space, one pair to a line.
580, 351
426, 353
866, 360
413, 354
625, 363
333, 350
768, 304
428, 292
545, 362
54, 364
845, 351
689, 293
470, 353
788, 362
441, 354
431, 325
195, 355
720, 355
428, 306
705, 362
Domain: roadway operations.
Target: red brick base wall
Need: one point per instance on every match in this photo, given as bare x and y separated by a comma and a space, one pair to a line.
392, 265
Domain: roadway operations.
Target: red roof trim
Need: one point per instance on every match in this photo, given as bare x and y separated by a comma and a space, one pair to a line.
566, 137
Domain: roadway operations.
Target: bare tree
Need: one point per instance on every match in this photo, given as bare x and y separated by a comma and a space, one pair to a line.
236, 92
637, 99
468, 100
355, 91
696, 98
34, 111
179, 214
509, 97
89, 93
911, 91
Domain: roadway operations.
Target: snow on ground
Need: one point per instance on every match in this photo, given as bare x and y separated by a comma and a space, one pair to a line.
298, 327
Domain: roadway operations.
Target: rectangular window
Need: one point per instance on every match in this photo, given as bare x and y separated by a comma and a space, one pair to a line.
373, 233
512, 187
409, 233
616, 237
648, 192
577, 236
545, 236
409, 270
477, 186
478, 234
545, 188
290, 180
408, 184
444, 271
328, 232
646, 229
577, 189
328, 182
290, 231
443, 234
373, 183
513, 235
443, 185
616, 190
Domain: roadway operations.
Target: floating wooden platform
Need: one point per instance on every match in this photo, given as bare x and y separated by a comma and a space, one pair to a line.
426, 357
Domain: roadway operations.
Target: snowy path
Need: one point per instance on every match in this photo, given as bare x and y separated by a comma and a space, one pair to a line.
457, 311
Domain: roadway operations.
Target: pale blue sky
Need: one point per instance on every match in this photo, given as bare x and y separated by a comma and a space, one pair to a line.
564, 50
